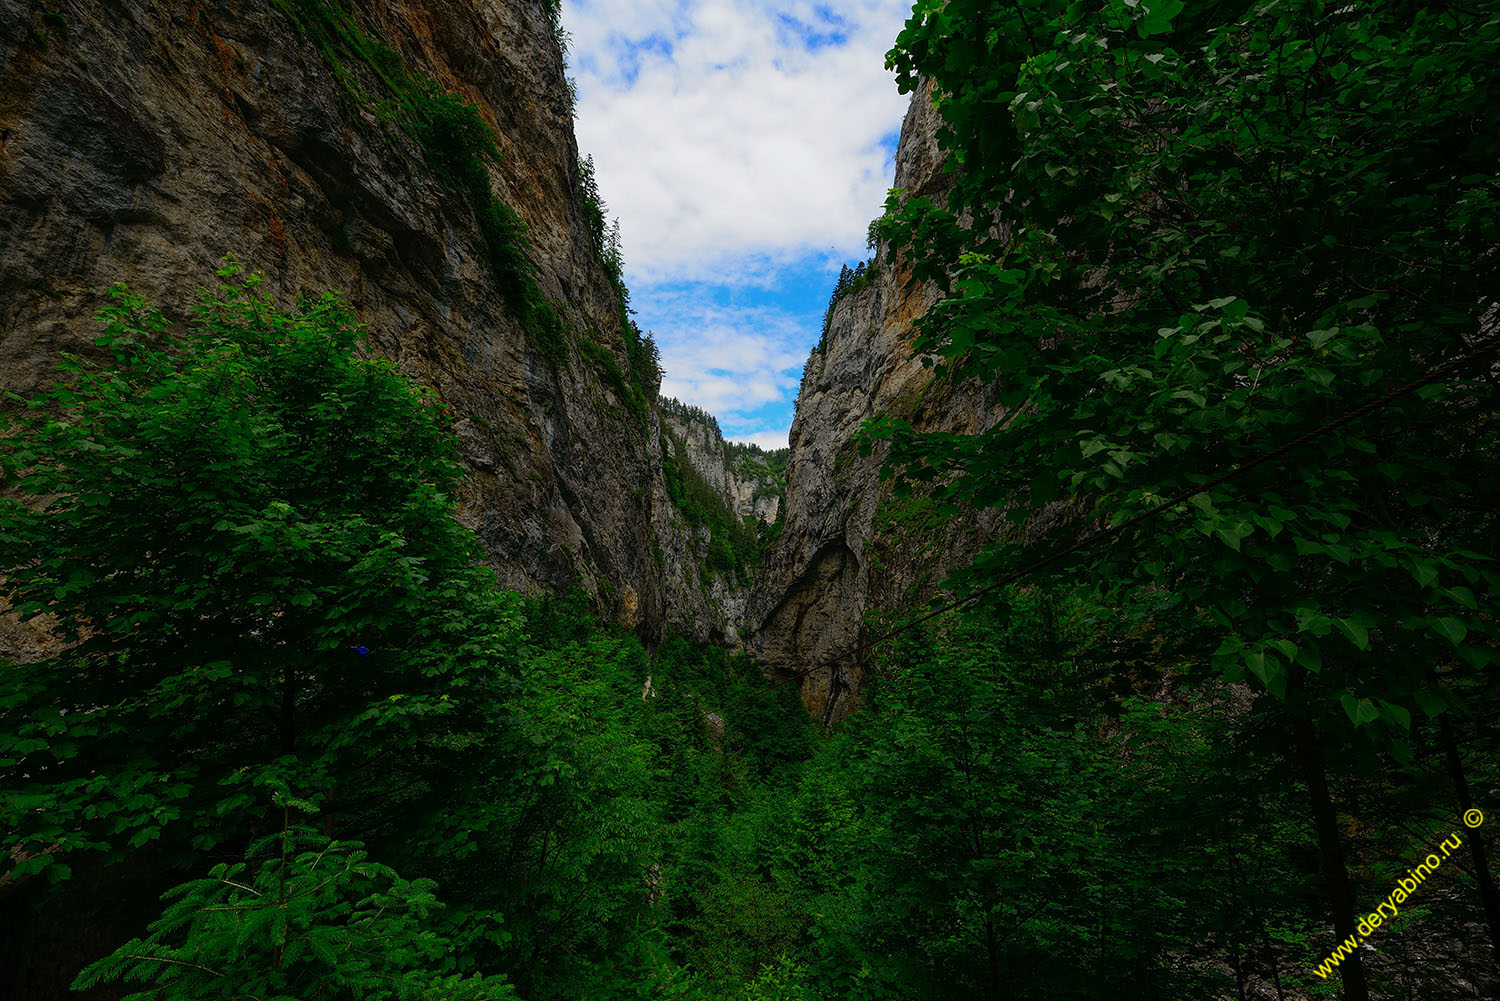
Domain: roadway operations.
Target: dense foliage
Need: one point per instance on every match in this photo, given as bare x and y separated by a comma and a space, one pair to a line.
242, 535
1180, 236
245, 543
289, 702
316, 919
289, 739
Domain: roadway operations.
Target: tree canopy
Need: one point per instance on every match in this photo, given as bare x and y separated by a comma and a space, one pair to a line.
1181, 236
294, 742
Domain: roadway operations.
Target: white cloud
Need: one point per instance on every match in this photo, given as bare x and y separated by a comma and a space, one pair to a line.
769, 440
717, 131
731, 362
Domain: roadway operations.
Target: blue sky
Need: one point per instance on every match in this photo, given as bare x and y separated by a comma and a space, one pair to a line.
744, 146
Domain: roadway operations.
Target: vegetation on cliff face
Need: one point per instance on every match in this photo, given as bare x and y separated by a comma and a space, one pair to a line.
733, 546
850, 280
767, 467
460, 148
674, 407
704, 481
454, 138
747, 459
640, 348
295, 742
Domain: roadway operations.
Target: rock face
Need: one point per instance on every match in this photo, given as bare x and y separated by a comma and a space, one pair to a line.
746, 478
140, 142
849, 547
747, 483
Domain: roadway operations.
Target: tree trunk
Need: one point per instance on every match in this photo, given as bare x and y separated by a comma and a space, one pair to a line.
992, 987
288, 709
1309, 754
1487, 894
1237, 966
1275, 963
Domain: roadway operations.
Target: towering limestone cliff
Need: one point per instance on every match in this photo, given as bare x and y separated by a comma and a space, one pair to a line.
848, 547
329, 146
723, 502
751, 480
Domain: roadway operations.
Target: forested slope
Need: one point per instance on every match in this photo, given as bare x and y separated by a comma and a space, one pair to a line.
1211, 293
1210, 290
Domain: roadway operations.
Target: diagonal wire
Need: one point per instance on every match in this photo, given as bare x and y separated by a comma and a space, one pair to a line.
1436, 375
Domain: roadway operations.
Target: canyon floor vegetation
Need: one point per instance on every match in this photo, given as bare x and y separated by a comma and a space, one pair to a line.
295, 743
301, 744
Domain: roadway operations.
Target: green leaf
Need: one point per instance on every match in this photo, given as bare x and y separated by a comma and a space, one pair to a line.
1450, 628
1424, 571
1359, 711
1356, 633
1310, 657
1462, 596
1430, 704
1396, 714
1351, 707
1159, 15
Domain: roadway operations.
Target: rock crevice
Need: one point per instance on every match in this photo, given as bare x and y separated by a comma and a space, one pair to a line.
850, 549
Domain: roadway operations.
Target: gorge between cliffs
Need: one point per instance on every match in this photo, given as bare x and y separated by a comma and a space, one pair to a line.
384, 613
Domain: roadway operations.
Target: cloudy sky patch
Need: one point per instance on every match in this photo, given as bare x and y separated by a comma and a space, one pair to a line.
744, 147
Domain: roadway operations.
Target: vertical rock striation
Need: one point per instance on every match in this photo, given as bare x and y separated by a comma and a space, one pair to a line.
141, 142
745, 477
736, 496
848, 547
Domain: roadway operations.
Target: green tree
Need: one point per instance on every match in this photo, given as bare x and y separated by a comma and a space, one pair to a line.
1207, 230
302, 917
547, 843
1008, 850
243, 532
